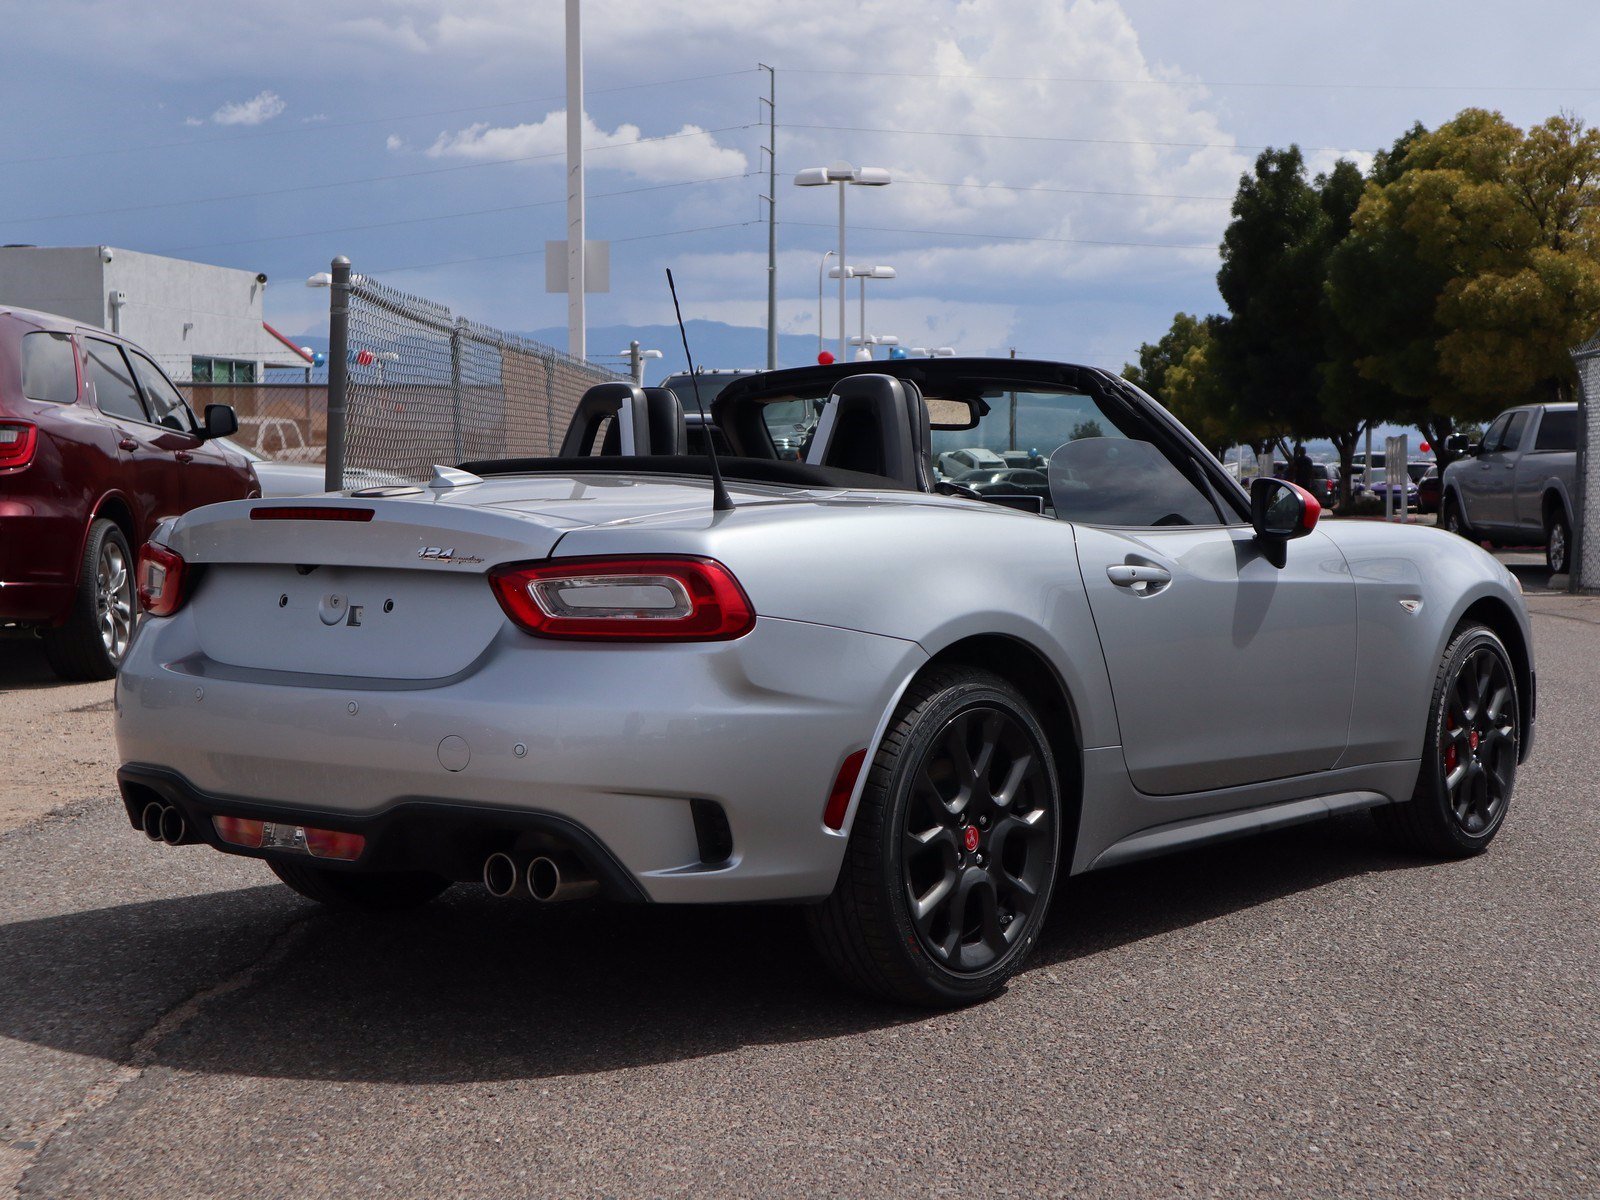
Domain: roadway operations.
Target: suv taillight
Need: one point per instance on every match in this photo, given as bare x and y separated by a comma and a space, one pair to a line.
162, 580
625, 599
17, 442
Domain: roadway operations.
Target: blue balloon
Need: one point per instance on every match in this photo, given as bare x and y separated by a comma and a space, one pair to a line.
319, 359
898, 352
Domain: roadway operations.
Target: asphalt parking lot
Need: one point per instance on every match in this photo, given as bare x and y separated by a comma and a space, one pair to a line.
1304, 1014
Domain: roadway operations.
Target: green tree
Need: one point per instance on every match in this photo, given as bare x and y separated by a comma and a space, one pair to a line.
1473, 266
1180, 372
1269, 352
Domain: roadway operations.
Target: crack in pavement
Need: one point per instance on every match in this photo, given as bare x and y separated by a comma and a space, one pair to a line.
142, 1054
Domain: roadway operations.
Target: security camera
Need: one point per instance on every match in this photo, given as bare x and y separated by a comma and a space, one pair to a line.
261, 276
105, 254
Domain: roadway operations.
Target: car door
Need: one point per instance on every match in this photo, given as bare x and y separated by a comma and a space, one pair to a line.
148, 474
1497, 473
206, 476
1477, 491
1225, 669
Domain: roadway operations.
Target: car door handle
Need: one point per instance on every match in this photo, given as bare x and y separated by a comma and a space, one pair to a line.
127, 443
1140, 577
183, 456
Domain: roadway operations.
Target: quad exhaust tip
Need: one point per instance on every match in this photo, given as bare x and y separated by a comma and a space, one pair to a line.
559, 877
163, 823
500, 875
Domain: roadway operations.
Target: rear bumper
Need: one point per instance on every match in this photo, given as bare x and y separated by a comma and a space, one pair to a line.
606, 747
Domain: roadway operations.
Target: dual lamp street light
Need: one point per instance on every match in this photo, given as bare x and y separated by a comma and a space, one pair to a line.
844, 175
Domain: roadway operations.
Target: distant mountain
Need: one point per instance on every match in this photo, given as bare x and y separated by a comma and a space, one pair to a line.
714, 343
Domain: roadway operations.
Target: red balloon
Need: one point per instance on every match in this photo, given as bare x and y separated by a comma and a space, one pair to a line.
1424, 447
365, 358
825, 358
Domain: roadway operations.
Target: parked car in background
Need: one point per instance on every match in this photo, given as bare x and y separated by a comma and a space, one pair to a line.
276, 439
308, 478
1515, 486
1429, 489
97, 447
971, 458
1325, 483
1006, 481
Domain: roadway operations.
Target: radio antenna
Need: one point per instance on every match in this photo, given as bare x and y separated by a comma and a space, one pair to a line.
720, 500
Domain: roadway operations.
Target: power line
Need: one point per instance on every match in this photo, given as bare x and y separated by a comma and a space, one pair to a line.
315, 187
1011, 187
318, 126
640, 237
1010, 237
477, 212
1039, 137
1206, 83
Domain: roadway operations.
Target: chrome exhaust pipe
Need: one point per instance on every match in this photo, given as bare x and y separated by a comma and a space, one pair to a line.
560, 878
500, 875
173, 826
150, 820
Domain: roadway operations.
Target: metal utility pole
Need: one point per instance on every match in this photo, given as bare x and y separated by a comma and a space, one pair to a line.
338, 372
576, 333
771, 101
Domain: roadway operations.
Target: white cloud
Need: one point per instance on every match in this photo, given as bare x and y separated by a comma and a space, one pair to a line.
688, 153
394, 142
193, 122
257, 110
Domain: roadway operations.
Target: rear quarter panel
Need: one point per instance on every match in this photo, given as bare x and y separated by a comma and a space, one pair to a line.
934, 572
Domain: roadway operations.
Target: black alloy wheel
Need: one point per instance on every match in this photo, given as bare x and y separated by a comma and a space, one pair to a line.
978, 839
1469, 766
954, 850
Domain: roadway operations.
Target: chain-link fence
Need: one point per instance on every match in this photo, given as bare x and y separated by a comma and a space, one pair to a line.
422, 386
287, 422
1586, 503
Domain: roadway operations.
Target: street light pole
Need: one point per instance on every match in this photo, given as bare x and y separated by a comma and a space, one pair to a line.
822, 271
576, 332
842, 173
842, 261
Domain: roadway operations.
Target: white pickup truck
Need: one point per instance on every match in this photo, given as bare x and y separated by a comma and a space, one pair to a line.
1515, 487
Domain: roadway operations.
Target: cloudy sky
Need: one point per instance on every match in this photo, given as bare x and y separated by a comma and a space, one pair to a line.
1063, 167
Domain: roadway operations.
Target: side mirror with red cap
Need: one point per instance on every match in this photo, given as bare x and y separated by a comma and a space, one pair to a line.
1281, 511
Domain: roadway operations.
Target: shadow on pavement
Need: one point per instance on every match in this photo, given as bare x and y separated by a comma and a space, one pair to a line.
471, 989
23, 665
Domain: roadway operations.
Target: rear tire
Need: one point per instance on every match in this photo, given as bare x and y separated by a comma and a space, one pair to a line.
954, 852
1453, 520
1557, 542
1469, 765
105, 609
376, 892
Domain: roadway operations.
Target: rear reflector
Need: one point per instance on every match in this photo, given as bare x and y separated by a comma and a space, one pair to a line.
625, 599
844, 786
298, 839
306, 512
17, 442
162, 578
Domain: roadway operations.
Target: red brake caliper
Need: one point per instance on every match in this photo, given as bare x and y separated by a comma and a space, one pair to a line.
1450, 746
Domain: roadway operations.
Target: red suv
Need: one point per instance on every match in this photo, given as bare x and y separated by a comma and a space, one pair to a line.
96, 448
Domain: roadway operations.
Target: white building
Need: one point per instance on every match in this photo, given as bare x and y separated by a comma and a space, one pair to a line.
201, 323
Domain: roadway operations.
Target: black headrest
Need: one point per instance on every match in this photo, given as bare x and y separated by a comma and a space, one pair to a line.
878, 425
668, 434
629, 411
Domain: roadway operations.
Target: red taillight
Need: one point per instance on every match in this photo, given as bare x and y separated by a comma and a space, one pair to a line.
333, 843
844, 786
625, 599
307, 512
240, 831
162, 574
17, 442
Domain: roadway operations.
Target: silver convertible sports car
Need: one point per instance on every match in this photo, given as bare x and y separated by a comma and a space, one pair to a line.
838, 681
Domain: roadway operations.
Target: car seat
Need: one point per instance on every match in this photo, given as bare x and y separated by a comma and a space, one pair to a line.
645, 421
875, 425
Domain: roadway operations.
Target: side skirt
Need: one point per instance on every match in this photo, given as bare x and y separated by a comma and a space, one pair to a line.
1226, 826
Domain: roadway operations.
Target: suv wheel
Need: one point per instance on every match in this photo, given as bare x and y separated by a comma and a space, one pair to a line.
1557, 542
94, 641
1452, 519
